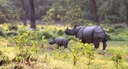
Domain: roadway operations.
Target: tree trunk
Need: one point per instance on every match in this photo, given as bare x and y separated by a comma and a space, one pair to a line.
126, 6
32, 15
94, 11
25, 13
4, 11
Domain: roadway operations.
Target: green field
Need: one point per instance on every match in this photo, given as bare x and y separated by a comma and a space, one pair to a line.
16, 49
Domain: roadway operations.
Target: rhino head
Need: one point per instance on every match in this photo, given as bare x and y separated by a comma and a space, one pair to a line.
53, 41
71, 31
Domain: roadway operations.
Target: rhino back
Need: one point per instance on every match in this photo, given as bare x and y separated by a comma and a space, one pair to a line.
80, 32
60, 41
99, 33
88, 33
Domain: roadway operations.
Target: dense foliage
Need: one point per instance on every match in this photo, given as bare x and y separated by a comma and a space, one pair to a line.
66, 11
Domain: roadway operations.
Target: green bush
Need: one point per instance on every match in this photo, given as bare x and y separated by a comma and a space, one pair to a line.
21, 40
12, 33
117, 56
72, 38
109, 37
4, 59
110, 30
47, 35
21, 31
117, 37
18, 59
118, 26
119, 30
13, 27
40, 35
1, 33
60, 32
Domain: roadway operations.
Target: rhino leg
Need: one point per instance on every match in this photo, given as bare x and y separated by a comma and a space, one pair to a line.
65, 46
105, 41
65, 43
58, 47
96, 43
104, 44
83, 41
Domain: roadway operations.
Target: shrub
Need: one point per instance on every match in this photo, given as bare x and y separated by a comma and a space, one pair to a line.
80, 49
21, 31
47, 35
117, 56
72, 38
1, 33
21, 40
110, 30
109, 37
13, 27
60, 32
75, 52
3, 59
89, 51
12, 33
18, 59
39, 34
118, 26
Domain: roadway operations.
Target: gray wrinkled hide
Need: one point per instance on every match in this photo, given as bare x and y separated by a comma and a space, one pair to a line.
60, 42
89, 34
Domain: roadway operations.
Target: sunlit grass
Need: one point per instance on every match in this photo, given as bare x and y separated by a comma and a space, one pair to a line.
54, 59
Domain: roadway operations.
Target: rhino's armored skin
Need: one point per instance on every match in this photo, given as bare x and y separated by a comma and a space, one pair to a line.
89, 34
60, 42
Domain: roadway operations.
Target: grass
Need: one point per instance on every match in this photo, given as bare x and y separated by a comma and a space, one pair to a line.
100, 62
51, 58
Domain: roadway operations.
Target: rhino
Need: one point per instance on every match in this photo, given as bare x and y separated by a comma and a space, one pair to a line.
60, 42
89, 34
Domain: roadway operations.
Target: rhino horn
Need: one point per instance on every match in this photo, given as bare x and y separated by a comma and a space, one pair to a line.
53, 38
67, 28
75, 26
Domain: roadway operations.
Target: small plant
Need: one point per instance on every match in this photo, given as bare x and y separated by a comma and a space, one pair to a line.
117, 57
3, 59
119, 26
110, 30
11, 33
18, 67
80, 49
76, 53
13, 27
21, 40
89, 51
1, 33
60, 32
47, 35
18, 59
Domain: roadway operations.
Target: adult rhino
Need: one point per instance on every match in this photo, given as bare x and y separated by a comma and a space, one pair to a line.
89, 34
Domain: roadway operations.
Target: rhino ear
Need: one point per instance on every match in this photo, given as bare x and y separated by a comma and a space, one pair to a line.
67, 28
75, 26
53, 38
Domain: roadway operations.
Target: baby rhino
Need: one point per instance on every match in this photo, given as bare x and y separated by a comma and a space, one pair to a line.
60, 42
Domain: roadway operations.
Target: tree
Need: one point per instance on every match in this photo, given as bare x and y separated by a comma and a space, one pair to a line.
25, 13
94, 11
32, 15
4, 11
126, 6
